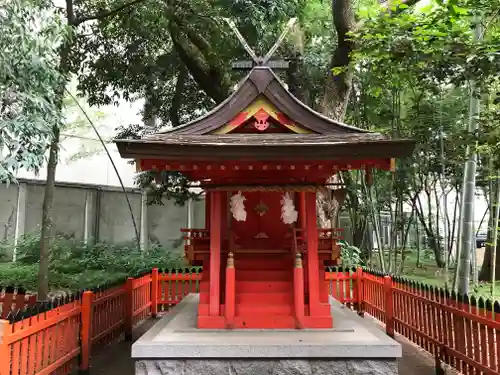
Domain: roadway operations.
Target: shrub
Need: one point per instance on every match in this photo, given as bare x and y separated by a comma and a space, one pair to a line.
19, 275
75, 265
350, 255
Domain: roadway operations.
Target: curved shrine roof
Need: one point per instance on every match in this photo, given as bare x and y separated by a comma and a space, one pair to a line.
325, 137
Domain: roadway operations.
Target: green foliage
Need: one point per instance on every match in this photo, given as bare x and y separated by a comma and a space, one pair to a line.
75, 265
30, 35
350, 255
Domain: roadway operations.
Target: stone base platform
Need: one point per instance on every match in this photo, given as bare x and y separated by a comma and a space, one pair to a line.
174, 346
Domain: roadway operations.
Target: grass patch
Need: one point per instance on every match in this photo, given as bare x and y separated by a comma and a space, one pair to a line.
427, 272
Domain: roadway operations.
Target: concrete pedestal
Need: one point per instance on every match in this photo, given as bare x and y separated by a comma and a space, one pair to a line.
175, 347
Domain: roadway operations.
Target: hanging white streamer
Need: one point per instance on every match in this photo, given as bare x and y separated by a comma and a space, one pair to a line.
238, 207
288, 213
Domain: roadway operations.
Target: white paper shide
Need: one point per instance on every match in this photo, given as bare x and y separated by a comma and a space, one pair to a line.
238, 207
288, 212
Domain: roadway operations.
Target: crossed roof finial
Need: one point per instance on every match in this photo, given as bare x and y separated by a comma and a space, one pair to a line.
260, 61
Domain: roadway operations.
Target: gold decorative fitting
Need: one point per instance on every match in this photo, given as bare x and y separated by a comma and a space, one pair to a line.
298, 260
393, 165
261, 209
230, 260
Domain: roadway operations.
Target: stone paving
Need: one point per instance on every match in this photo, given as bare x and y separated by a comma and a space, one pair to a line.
116, 359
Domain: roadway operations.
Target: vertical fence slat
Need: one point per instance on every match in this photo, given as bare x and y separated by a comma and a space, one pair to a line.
86, 331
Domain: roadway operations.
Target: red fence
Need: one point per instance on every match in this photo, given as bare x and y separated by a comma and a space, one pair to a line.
460, 331
61, 339
12, 299
457, 330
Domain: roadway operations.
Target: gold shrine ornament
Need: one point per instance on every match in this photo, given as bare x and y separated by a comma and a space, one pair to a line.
261, 209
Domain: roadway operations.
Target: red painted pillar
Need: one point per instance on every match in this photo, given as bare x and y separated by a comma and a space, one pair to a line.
215, 244
298, 290
312, 253
207, 209
230, 304
302, 209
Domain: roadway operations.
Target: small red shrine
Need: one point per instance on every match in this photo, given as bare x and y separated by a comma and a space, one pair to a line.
261, 156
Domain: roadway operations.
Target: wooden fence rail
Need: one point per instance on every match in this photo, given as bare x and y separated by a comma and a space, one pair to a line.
457, 330
61, 340
12, 299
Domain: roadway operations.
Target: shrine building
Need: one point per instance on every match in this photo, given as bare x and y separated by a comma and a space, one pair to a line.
261, 156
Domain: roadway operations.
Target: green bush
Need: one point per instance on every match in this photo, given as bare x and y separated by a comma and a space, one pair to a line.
75, 265
19, 275
350, 255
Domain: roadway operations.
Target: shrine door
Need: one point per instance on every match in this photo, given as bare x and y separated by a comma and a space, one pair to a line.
263, 228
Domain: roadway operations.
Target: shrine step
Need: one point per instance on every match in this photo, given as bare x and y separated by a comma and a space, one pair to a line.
264, 298
264, 322
263, 263
263, 286
265, 310
263, 275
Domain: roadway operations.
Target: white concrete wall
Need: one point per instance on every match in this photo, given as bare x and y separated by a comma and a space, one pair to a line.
91, 212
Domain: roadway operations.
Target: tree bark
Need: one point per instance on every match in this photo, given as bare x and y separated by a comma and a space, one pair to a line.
491, 262
469, 184
48, 198
177, 99
338, 85
46, 230
195, 53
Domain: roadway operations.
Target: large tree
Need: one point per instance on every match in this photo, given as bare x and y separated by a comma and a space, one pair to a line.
29, 37
77, 15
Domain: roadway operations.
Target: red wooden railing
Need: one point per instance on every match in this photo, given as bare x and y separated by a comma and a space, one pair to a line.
12, 299
461, 332
62, 339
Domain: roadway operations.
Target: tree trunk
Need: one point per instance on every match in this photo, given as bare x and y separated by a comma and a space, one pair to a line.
197, 56
469, 188
48, 198
490, 259
177, 99
338, 84
487, 268
46, 230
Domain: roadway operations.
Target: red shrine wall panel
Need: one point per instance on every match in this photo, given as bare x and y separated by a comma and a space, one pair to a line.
263, 228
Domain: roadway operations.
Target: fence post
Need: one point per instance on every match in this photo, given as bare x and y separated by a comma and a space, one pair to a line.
5, 329
359, 292
86, 332
389, 313
154, 292
129, 308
